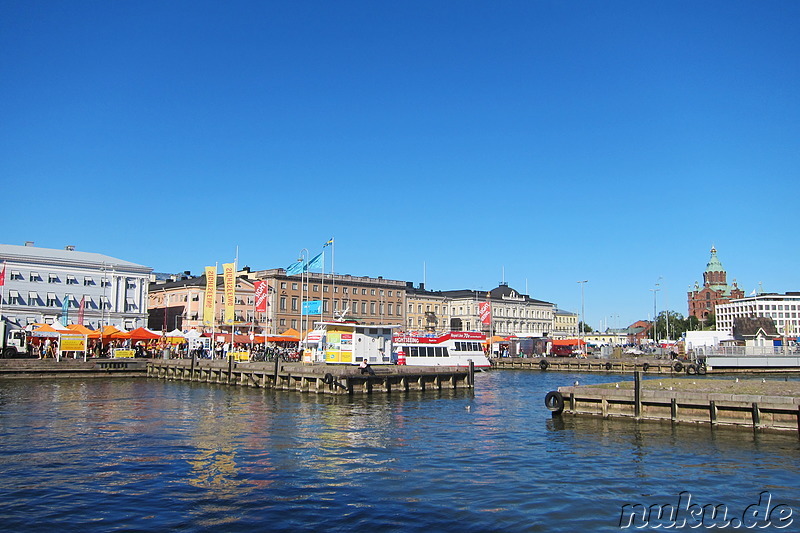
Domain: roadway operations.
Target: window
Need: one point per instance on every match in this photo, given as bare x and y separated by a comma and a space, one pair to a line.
105, 282
87, 281
53, 278
282, 321
13, 297
294, 303
35, 276
325, 288
363, 292
344, 290
372, 292
390, 294
51, 300
390, 309
315, 288
372, 308
71, 280
16, 275
363, 308
294, 286
283, 286
130, 283
33, 298
282, 303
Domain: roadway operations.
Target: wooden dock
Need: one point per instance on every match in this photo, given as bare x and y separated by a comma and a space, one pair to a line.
755, 405
66, 368
618, 366
313, 378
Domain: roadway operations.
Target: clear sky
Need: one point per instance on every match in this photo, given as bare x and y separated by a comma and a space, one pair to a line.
459, 142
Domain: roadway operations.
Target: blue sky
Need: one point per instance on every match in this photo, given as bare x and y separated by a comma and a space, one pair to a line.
546, 142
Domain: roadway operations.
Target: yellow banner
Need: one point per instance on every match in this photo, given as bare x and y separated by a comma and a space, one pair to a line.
229, 277
72, 343
127, 354
210, 296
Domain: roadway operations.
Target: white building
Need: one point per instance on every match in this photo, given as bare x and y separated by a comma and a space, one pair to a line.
782, 308
45, 285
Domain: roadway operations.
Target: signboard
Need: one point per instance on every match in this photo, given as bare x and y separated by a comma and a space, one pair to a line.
229, 279
72, 342
210, 296
126, 354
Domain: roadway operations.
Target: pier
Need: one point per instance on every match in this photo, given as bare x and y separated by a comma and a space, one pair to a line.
773, 405
575, 364
314, 378
69, 368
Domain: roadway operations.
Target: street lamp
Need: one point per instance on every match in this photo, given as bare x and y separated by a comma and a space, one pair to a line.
582, 321
655, 293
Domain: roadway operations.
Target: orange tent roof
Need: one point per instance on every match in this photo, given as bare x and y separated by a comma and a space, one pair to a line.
44, 328
291, 332
142, 334
107, 332
80, 328
568, 342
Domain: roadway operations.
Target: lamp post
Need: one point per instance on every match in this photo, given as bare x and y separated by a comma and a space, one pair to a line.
655, 293
582, 321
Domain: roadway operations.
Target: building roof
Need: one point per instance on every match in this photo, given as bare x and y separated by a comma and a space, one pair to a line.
748, 327
13, 252
714, 264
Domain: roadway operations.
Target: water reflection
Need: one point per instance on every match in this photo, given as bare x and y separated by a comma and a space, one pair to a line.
147, 454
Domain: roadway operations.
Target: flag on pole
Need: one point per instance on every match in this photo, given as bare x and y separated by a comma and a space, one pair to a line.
81, 309
295, 268
3, 275
330, 241
485, 312
313, 307
316, 262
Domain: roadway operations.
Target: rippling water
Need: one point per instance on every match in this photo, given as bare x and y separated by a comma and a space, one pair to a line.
139, 454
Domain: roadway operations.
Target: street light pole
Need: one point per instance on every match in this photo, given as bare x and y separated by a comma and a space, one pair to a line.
582, 321
655, 293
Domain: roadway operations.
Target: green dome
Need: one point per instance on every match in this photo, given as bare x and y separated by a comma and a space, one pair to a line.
713, 264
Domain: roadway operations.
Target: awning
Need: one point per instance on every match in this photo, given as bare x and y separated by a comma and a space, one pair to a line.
33, 295
568, 342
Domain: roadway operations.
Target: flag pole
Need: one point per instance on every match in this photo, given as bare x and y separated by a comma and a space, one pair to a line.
3, 287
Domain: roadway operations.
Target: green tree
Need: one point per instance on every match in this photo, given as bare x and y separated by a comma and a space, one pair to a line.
677, 325
584, 327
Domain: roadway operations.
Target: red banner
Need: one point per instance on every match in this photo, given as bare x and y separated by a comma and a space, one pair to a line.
81, 310
262, 291
485, 312
3, 275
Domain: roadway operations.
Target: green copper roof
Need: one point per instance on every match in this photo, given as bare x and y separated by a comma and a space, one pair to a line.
713, 264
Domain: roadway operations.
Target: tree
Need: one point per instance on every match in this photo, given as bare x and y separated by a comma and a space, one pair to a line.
584, 327
677, 325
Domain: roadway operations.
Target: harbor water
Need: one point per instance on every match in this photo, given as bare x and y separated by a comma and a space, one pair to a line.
151, 455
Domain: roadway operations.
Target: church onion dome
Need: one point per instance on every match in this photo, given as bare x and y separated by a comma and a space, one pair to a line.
713, 264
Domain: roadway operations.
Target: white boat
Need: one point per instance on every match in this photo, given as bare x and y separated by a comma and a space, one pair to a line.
456, 348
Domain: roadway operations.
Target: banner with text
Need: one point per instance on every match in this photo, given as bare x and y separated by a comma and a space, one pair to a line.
261, 294
485, 312
210, 296
312, 308
229, 279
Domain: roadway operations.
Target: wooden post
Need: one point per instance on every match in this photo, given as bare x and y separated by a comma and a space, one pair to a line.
471, 373
756, 415
230, 369
637, 393
712, 410
674, 409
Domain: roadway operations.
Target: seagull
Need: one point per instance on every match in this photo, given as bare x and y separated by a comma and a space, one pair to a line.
577, 382
763, 380
737, 380
617, 385
468, 407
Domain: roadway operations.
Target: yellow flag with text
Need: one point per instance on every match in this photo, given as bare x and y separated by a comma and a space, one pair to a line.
229, 277
210, 296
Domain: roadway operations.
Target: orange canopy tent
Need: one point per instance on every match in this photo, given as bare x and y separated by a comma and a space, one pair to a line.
80, 328
142, 334
107, 332
568, 342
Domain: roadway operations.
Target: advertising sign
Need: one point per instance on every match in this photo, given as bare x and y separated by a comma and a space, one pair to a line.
229, 278
69, 342
261, 294
485, 312
210, 296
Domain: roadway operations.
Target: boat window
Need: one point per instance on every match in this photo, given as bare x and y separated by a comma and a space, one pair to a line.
438, 351
444, 349
413, 351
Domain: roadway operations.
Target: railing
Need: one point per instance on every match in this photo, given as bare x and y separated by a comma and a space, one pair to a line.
748, 351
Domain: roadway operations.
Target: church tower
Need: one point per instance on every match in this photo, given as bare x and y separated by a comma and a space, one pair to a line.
715, 289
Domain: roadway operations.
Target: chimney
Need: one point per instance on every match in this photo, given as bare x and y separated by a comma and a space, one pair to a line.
70, 247
28, 243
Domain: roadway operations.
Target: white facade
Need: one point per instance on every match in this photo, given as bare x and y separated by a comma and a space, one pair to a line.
784, 309
42, 285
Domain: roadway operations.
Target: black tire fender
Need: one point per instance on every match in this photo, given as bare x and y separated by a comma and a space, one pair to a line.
702, 370
609, 366
543, 364
555, 402
678, 367
646, 367
328, 379
691, 370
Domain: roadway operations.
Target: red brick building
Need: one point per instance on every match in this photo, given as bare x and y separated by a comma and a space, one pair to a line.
715, 290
